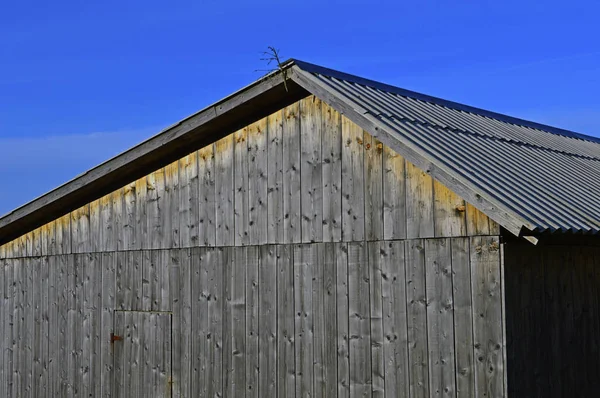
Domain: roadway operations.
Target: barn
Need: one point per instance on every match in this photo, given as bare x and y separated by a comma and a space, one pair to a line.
315, 234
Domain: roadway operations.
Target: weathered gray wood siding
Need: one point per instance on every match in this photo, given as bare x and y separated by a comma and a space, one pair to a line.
296, 257
553, 319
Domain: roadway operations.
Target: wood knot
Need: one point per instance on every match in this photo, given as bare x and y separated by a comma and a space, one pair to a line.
461, 208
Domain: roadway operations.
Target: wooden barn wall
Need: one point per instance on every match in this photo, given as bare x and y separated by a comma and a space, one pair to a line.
413, 318
295, 257
304, 174
553, 320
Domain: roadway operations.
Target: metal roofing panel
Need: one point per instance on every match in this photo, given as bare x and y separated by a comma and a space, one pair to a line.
550, 177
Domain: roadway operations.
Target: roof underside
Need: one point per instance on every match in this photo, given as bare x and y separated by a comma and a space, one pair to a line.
529, 177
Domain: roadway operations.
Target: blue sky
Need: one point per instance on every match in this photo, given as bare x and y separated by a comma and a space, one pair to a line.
82, 81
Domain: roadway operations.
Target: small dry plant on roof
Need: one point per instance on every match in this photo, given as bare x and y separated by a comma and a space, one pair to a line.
271, 56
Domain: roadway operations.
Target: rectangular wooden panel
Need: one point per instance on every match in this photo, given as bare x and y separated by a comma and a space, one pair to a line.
291, 175
267, 321
234, 321
331, 152
129, 235
330, 327
107, 307
181, 301
311, 184
304, 259
207, 201
142, 355
129, 288
373, 188
487, 307
440, 326
224, 191
353, 189
463, 317
252, 303
274, 155
286, 367
394, 311
417, 318
189, 195
374, 251
319, 333
419, 203
449, 212
359, 323
257, 182
343, 333
394, 195
80, 229
240, 174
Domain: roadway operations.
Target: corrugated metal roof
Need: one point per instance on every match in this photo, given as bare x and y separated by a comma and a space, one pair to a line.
547, 176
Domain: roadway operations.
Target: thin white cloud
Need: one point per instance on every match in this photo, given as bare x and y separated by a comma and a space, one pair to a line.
32, 166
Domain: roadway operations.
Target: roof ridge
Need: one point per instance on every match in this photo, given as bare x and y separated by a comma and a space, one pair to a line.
312, 68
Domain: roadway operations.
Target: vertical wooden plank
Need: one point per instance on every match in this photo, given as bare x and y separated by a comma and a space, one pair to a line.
240, 175
129, 218
182, 321
292, 229
119, 358
374, 250
7, 327
41, 279
155, 187
267, 321
141, 213
28, 325
189, 205
252, 305
224, 190
118, 218
286, 369
449, 212
80, 229
17, 331
353, 201
78, 323
165, 260
319, 332
343, 322
90, 361
129, 280
394, 195
234, 347
359, 324
440, 323
330, 327
95, 227
419, 203
304, 258
52, 340
395, 343
463, 317
199, 308
135, 357
207, 228
373, 188
487, 308
108, 237
275, 178
257, 182
417, 318
36, 326
331, 147
170, 204
108, 305
62, 272
311, 178
477, 222
214, 265
37, 242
